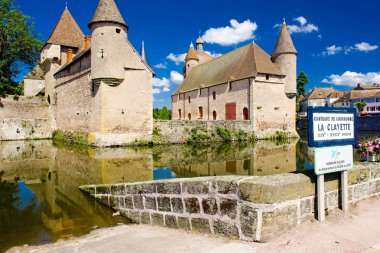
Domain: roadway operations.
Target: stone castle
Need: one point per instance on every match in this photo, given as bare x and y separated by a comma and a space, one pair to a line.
101, 87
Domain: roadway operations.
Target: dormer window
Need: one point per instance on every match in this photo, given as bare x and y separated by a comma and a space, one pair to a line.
118, 30
320, 94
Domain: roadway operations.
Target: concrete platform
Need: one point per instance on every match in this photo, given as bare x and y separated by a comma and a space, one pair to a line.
359, 231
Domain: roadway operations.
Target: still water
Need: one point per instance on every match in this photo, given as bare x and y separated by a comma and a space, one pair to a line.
39, 197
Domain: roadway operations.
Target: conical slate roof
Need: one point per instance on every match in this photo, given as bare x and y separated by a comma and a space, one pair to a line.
191, 54
284, 43
107, 11
143, 52
66, 32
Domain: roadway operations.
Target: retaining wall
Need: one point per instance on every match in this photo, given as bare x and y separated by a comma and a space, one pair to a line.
24, 118
245, 208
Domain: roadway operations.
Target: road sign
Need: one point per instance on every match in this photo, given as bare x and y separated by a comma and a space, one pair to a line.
330, 126
333, 159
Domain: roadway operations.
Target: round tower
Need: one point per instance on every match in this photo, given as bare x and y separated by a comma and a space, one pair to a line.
191, 61
285, 57
109, 34
199, 44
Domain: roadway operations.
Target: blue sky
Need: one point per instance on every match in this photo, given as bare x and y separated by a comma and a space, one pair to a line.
337, 41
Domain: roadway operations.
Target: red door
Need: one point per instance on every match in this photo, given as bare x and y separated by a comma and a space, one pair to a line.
231, 111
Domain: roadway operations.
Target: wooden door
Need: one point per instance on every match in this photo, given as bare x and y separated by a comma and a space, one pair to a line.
231, 111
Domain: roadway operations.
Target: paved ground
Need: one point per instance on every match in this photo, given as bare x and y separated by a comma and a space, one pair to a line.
357, 232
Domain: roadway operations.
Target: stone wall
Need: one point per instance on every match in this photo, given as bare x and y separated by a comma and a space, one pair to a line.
24, 118
245, 208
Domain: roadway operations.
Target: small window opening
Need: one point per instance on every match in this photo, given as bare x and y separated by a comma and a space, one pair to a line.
201, 112
267, 77
179, 114
214, 115
189, 116
229, 86
189, 100
118, 30
214, 95
200, 92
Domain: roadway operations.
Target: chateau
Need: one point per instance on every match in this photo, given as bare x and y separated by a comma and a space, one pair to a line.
96, 84
100, 88
245, 84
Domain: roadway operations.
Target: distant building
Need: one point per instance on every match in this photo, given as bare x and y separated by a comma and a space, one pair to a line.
370, 97
245, 84
374, 86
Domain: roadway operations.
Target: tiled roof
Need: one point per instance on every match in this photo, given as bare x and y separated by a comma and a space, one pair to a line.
284, 43
107, 11
203, 56
374, 86
338, 94
66, 32
36, 74
358, 94
319, 93
244, 62
191, 54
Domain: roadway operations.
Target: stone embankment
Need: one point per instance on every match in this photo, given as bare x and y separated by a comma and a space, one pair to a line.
245, 208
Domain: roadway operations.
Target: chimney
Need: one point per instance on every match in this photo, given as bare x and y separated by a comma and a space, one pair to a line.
69, 55
87, 42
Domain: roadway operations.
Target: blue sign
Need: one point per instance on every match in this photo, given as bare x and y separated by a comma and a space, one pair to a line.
329, 126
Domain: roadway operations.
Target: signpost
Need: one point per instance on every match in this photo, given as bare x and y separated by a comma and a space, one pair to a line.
332, 132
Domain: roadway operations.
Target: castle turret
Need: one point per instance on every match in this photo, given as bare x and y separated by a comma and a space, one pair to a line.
109, 34
191, 60
199, 44
285, 57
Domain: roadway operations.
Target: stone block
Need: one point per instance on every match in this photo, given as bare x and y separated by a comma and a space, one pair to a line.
144, 188
88, 189
332, 199
177, 205
104, 199
138, 202
277, 221
169, 188
248, 221
145, 218
117, 190
195, 187
375, 172
228, 207
192, 205
307, 207
103, 189
183, 223
157, 219
164, 204
170, 221
128, 203
277, 188
358, 176
375, 187
227, 185
361, 191
114, 202
210, 206
201, 225
134, 216
226, 230
150, 203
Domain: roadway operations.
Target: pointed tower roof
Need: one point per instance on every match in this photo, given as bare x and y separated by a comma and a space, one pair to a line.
199, 40
143, 52
191, 54
107, 11
66, 32
284, 43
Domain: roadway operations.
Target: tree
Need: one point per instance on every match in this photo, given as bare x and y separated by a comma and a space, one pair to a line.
360, 106
19, 45
302, 80
164, 114
156, 113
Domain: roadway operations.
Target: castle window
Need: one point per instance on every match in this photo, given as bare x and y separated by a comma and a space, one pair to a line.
214, 95
118, 30
377, 100
189, 116
200, 92
189, 99
201, 112
245, 113
229, 86
179, 114
214, 115
267, 77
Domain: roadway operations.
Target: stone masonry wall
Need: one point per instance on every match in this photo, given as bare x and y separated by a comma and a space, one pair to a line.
24, 118
245, 208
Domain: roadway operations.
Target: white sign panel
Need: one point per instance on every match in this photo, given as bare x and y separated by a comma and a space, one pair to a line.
333, 126
333, 159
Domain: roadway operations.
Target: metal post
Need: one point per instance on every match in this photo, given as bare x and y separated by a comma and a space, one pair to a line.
344, 182
321, 197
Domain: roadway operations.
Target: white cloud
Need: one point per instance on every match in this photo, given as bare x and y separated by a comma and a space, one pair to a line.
156, 91
161, 85
214, 55
176, 77
176, 58
302, 27
350, 78
332, 50
160, 66
365, 47
231, 35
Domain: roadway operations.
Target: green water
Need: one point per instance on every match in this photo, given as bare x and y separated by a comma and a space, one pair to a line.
39, 197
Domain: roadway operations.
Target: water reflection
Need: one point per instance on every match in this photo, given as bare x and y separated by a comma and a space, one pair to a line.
40, 200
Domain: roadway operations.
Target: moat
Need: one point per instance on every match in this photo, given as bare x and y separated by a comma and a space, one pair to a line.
39, 180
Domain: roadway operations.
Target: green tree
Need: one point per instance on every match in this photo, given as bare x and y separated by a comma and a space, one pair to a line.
164, 114
360, 106
19, 45
156, 113
302, 80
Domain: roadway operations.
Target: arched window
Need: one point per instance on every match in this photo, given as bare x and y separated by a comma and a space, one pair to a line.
245, 113
214, 115
189, 116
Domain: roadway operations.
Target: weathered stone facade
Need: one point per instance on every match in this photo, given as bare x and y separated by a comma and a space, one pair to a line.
245, 208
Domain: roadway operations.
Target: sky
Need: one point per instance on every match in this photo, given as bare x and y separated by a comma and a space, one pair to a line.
338, 42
